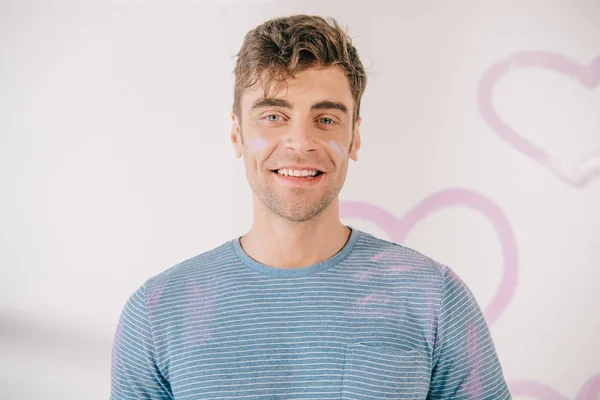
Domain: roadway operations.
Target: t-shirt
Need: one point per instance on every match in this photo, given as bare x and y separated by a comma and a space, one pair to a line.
377, 320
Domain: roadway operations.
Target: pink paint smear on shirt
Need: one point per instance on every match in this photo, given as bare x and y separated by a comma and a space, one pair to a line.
203, 304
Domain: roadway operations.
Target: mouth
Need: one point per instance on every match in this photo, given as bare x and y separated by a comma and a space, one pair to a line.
307, 175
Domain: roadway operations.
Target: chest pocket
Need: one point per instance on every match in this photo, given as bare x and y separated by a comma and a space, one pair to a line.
372, 372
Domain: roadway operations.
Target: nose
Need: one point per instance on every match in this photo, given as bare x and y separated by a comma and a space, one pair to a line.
300, 137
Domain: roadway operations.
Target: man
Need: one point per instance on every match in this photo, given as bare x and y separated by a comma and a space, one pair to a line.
303, 306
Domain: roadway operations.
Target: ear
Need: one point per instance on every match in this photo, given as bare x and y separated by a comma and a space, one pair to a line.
236, 136
356, 143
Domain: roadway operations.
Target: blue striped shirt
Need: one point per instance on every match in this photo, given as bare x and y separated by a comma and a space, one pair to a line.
375, 321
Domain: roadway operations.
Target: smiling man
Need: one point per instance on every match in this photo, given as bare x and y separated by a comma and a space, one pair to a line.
298, 145
303, 306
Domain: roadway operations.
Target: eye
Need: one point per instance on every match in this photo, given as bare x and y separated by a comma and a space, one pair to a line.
273, 118
327, 121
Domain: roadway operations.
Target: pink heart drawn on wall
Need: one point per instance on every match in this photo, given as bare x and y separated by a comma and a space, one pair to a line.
589, 76
398, 229
589, 391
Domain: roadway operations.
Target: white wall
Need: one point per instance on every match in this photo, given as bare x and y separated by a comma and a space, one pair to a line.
115, 164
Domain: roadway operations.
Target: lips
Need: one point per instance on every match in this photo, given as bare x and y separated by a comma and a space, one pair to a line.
293, 176
300, 167
298, 181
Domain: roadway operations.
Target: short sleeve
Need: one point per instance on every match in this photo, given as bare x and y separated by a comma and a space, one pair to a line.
134, 371
466, 366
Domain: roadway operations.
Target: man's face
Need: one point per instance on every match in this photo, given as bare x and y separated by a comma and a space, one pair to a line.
306, 125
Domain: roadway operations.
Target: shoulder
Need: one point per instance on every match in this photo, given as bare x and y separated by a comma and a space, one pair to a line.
200, 267
386, 256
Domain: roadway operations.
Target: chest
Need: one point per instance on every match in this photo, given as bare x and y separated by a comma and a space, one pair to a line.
326, 346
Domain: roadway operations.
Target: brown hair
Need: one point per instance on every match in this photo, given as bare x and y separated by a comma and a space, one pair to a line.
279, 48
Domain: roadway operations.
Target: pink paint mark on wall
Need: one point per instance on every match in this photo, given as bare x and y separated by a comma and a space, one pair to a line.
578, 174
398, 230
589, 391
258, 144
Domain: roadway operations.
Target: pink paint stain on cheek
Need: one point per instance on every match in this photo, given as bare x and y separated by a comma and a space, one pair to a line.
258, 144
337, 148
589, 391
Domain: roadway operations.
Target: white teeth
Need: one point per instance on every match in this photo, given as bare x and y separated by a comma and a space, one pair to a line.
296, 172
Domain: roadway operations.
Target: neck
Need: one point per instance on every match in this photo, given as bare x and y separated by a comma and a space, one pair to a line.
280, 243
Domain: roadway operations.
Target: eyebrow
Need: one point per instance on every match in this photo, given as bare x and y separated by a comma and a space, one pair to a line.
322, 105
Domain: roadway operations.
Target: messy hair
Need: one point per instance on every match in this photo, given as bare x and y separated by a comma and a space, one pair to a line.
282, 47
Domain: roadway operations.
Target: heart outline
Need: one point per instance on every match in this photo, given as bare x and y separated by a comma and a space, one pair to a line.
582, 172
398, 229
